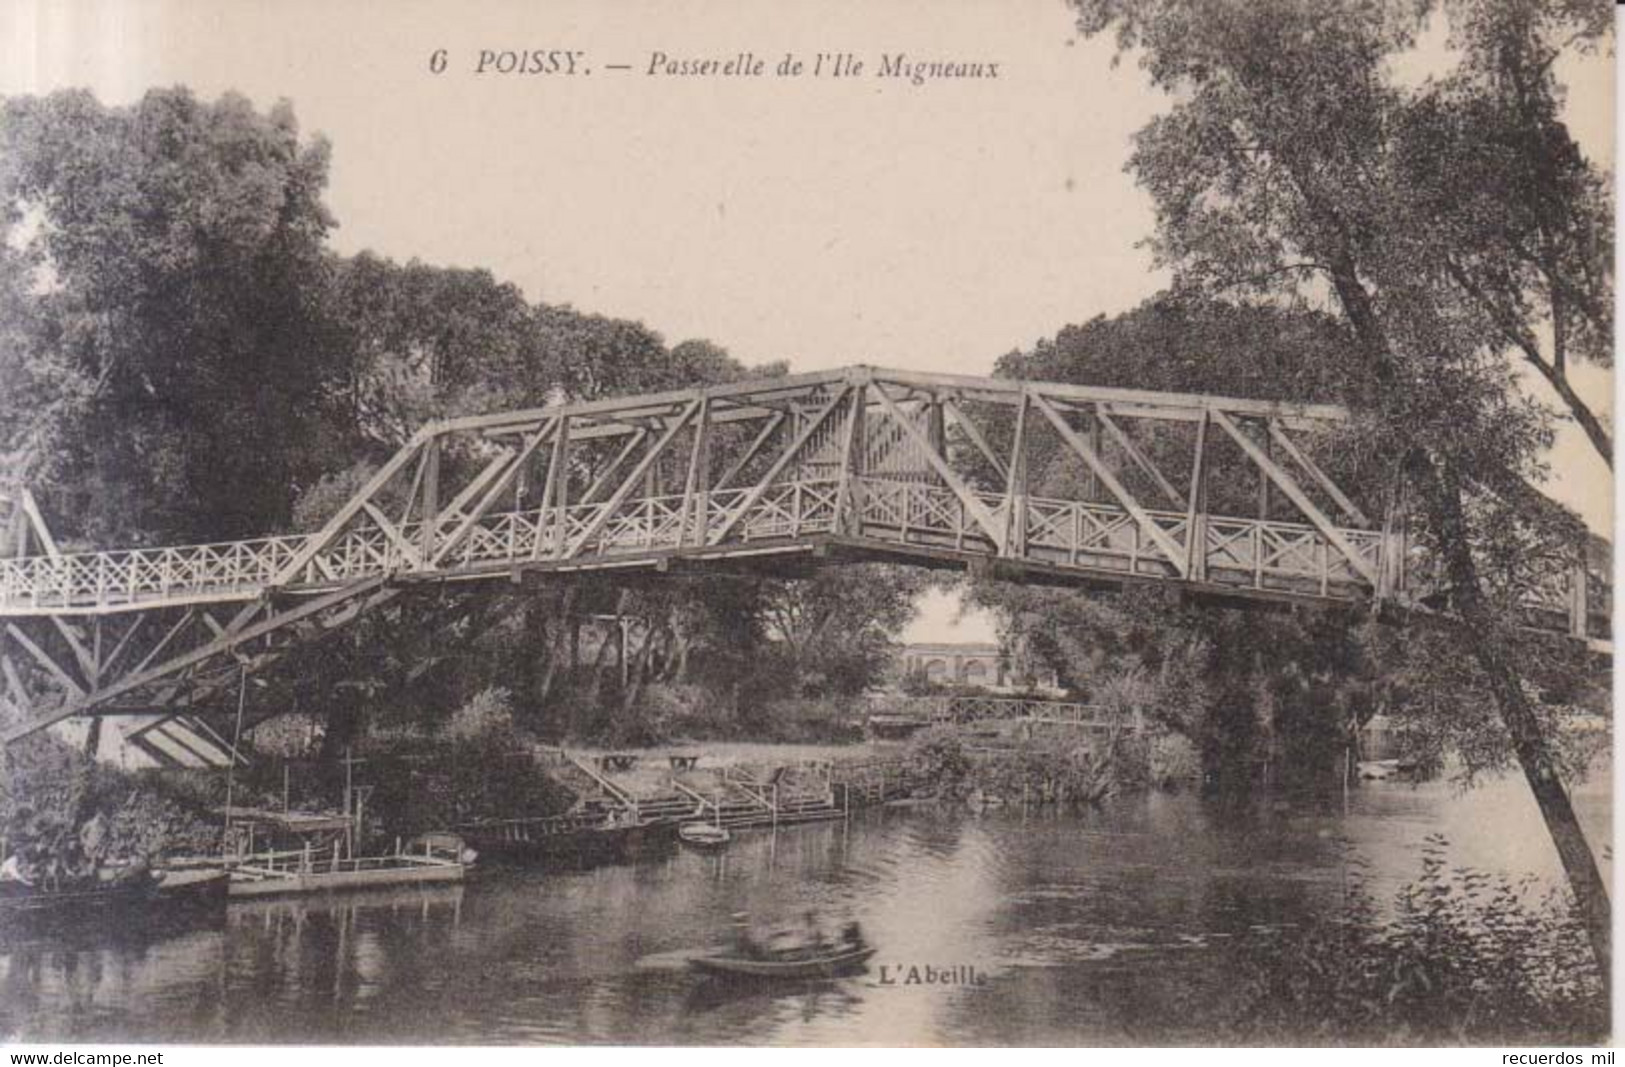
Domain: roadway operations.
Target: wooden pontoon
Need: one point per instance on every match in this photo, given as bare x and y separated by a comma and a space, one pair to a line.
304, 871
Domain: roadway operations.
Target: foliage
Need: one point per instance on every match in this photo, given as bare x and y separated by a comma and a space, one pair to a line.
486, 717
938, 755
833, 632
803, 720
478, 765
1038, 772
1291, 166
63, 816
1526, 221
1460, 958
169, 257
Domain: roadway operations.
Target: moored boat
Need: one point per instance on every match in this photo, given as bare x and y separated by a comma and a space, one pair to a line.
18, 899
192, 889
121, 892
703, 835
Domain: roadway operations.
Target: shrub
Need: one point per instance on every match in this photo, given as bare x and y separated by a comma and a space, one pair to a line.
1463, 958
937, 754
487, 715
63, 814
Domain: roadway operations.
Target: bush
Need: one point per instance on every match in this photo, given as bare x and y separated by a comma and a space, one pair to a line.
690, 713
938, 755
64, 815
1464, 958
488, 715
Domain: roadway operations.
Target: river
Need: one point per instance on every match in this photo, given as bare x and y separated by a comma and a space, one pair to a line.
1096, 927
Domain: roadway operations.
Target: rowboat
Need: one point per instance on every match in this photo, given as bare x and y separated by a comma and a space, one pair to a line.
703, 835
120, 893
18, 899
192, 889
802, 964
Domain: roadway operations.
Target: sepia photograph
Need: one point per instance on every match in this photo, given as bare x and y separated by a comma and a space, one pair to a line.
1077, 523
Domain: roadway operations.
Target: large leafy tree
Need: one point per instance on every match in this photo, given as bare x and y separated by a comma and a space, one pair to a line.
1282, 169
176, 372
1523, 219
833, 632
1246, 687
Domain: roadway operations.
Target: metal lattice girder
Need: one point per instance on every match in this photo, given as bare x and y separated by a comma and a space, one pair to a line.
858, 459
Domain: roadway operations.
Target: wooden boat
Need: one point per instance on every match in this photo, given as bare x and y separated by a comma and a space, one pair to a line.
798, 964
18, 899
303, 871
703, 835
567, 839
200, 889
118, 892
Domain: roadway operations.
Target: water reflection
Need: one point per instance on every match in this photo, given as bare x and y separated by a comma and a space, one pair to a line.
1097, 927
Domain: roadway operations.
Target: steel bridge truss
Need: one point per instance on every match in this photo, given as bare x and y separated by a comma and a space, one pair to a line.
1220, 496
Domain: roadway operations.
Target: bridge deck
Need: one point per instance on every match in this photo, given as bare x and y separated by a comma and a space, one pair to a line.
1094, 538
926, 468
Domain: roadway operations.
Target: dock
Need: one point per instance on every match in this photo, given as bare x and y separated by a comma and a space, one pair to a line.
301, 871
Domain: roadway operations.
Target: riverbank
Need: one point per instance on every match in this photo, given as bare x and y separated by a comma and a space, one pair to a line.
1124, 922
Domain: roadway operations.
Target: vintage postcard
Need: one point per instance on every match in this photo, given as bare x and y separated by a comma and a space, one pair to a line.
1048, 522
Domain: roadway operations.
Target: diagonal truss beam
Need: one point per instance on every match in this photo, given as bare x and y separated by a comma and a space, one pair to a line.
393, 532
1290, 447
335, 526
224, 644
975, 435
1138, 458
36, 523
633, 477
1289, 485
753, 451
515, 462
1169, 547
44, 659
784, 460
601, 482
967, 498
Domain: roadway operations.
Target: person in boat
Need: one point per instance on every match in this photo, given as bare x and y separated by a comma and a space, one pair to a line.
745, 943
852, 935
815, 938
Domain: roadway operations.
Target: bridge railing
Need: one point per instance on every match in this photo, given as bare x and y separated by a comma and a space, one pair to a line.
970, 707
1253, 553
1245, 553
72, 579
245, 568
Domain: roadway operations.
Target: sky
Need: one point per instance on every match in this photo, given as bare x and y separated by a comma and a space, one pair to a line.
823, 221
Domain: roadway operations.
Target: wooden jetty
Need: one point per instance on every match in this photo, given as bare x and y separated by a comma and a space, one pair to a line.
306, 871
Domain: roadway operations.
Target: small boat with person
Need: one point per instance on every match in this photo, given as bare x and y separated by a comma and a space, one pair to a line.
808, 955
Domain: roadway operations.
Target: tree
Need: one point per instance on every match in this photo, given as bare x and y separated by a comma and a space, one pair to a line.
1279, 169
175, 375
833, 631
1525, 220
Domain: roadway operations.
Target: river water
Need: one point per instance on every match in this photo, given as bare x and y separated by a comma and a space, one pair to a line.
1104, 926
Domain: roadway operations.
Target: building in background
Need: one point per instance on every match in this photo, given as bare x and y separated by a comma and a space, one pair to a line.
982, 664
